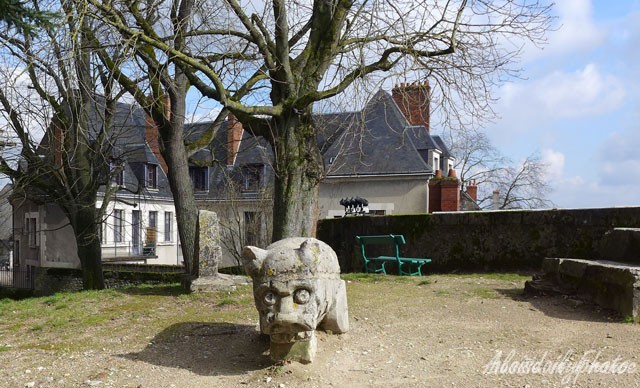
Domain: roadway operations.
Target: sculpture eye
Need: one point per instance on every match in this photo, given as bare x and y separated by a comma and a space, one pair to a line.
301, 296
270, 298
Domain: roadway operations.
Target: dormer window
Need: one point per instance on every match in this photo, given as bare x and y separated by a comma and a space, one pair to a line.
252, 175
199, 178
436, 162
151, 176
117, 172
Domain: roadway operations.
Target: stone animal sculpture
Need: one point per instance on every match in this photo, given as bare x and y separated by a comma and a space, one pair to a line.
297, 288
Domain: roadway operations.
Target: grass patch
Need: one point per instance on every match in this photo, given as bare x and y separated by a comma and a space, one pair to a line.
630, 319
486, 293
381, 278
511, 277
120, 318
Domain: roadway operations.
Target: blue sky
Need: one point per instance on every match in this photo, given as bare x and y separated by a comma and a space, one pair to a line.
578, 105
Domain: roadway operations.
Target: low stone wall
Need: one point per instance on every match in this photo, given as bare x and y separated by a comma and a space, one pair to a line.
482, 241
51, 280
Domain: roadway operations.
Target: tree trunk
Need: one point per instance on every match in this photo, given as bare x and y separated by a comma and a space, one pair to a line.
298, 168
87, 232
175, 155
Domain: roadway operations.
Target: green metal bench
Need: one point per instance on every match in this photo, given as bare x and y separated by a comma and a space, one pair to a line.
377, 264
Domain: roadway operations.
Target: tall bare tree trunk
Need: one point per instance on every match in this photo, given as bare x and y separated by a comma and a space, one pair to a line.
175, 155
87, 232
298, 168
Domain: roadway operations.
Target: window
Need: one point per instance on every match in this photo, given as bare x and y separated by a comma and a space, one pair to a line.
152, 230
168, 222
135, 231
117, 171
153, 219
199, 178
118, 226
436, 163
32, 234
152, 176
252, 177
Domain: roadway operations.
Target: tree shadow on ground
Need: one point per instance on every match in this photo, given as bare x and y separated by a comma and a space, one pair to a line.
568, 307
207, 349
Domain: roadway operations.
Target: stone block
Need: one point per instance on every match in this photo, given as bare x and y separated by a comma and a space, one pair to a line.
612, 285
210, 251
620, 244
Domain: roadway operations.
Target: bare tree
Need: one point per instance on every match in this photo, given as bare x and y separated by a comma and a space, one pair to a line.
160, 87
292, 54
48, 95
519, 185
243, 223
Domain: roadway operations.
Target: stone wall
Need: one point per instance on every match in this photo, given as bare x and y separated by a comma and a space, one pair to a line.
51, 280
481, 241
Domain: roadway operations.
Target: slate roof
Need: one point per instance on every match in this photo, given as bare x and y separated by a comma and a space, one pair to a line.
379, 142
128, 137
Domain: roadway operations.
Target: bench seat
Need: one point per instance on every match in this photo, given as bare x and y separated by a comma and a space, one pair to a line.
410, 266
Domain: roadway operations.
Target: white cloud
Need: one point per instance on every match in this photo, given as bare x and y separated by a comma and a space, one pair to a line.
583, 93
575, 31
578, 29
555, 164
619, 158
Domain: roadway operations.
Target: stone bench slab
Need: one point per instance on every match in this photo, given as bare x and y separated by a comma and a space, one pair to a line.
620, 244
610, 284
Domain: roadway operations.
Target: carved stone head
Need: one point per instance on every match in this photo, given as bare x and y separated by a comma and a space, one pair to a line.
297, 287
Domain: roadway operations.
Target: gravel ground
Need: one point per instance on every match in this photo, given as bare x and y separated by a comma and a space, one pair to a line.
451, 331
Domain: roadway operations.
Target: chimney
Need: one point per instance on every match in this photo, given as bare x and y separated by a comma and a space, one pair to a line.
450, 193
151, 134
234, 136
472, 190
444, 193
495, 200
413, 101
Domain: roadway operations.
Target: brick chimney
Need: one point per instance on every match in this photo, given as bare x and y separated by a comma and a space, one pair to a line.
472, 190
413, 101
152, 137
234, 136
444, 193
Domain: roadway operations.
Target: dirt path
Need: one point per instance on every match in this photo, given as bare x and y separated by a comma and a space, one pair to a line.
454, 331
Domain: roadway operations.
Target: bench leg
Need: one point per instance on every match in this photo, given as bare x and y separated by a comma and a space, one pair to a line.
374, 270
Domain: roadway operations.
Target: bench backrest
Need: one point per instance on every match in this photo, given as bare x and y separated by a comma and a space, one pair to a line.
386, 239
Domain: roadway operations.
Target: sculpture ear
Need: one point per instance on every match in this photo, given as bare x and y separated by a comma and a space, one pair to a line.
252, 259
306, 250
